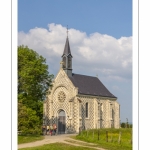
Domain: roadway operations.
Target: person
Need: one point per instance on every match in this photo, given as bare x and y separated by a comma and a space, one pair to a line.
43, 129
54, 128
51, 130
47, 128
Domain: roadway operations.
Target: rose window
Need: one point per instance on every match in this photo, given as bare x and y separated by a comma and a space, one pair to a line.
61, 96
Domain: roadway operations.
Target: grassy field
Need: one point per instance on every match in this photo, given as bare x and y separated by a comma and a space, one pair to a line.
57, 146
29, 138
115, 139
110, 143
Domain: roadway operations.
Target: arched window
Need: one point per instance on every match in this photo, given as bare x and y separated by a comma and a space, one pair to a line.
86, 110
62, 113
69, 62
112, 114
64, 62
101, 115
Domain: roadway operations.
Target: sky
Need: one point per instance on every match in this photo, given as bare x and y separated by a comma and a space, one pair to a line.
100, 37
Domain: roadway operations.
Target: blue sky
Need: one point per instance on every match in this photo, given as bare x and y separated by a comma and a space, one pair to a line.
104, 16
100, 36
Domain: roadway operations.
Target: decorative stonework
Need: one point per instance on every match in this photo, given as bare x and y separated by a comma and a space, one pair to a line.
61, 96
64, 96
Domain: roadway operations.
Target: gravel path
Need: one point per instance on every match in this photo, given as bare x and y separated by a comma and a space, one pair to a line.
57, 138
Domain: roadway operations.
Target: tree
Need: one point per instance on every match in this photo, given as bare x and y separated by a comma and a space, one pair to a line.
33, 79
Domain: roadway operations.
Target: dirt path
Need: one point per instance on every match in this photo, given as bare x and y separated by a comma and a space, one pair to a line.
63, 138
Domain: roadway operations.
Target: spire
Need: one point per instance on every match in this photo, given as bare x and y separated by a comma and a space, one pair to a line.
67, 31
67, 57
67, 46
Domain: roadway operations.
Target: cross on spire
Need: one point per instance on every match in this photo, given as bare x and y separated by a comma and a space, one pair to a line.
67, 31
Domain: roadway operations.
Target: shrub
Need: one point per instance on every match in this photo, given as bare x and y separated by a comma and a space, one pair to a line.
28, 121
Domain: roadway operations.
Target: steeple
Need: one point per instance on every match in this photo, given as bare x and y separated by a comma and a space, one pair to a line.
67, 58
67, 48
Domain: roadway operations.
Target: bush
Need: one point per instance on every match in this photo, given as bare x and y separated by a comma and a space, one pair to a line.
28, 121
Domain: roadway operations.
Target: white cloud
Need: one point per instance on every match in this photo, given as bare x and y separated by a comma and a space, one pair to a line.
93, 54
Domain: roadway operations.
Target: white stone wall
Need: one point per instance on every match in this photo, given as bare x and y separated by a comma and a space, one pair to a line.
89, 122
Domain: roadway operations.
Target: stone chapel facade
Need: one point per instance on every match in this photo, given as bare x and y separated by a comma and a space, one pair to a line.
77, 101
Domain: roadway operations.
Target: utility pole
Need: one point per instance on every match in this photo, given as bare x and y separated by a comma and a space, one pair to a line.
127, 122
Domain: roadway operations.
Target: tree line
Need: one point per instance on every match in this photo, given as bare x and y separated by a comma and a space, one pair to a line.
126, 125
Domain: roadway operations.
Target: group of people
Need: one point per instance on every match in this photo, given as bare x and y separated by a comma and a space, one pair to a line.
52, 129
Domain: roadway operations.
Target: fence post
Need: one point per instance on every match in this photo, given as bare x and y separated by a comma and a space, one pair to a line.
106, 136
119, 140
111, 136
87, 132
131, 137
98, 135
93, 134
79, 130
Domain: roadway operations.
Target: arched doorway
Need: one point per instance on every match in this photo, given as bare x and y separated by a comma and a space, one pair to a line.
61, 122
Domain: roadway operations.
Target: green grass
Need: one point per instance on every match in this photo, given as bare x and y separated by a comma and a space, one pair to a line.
29, 138
113, 136
82, 144
57, 146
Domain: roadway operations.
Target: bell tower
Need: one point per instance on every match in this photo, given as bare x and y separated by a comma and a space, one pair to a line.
67, 58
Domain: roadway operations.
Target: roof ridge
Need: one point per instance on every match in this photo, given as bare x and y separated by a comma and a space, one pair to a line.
84, 75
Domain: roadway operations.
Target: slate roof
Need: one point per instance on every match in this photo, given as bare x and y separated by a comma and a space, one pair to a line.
89, 85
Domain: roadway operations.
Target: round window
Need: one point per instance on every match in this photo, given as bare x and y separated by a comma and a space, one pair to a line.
61, 96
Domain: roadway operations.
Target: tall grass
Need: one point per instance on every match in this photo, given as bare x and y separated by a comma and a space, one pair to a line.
112, 139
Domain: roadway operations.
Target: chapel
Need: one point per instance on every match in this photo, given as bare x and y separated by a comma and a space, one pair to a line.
78, 101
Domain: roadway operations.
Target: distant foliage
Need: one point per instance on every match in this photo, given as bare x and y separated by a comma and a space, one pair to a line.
123, 125
126, 125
